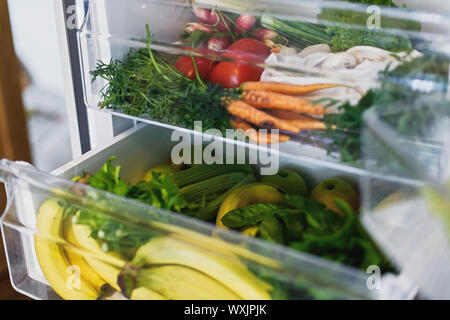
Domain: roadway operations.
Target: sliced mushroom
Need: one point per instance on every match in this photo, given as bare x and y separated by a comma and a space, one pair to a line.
341, 60
317, 48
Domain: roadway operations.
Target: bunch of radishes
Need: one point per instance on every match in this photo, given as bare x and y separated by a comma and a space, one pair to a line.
223, 30
237, 39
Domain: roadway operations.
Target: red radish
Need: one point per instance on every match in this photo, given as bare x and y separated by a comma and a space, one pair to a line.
264, 34
206, 16
245, 22
218, 43
213, 19
270, 38
191, 27
224, 24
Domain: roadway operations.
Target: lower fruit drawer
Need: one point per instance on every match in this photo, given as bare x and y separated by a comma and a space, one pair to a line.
184, 258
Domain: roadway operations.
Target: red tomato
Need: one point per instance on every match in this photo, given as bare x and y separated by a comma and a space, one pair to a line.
186, 66
233, 74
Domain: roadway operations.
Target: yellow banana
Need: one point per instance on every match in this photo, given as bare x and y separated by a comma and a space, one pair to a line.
144, 293
227, 270
106, 265
181, 283
62, 276
220, 246
251, 232
248, 195
108, 272
74, 255
82, 235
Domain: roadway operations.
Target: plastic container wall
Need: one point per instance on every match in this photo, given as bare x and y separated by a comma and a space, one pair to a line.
411, 140
114, 45
268, 270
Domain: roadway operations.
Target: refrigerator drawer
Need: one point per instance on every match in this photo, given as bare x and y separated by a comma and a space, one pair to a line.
263, 267
130, 52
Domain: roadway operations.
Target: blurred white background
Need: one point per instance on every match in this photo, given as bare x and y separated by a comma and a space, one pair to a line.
34, 31
35, 40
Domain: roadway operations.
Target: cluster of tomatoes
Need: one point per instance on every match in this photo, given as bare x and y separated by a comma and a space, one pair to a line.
243, 56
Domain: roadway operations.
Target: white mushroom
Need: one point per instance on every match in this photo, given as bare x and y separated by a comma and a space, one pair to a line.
288, 51
317, 48
341, 60
408, 56
363, 53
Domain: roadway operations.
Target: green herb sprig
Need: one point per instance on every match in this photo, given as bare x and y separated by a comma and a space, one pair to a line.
145, 83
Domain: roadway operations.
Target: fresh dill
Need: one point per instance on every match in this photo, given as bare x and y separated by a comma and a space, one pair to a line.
145, 83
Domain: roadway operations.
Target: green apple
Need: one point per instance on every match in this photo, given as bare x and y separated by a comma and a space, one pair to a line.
288, 182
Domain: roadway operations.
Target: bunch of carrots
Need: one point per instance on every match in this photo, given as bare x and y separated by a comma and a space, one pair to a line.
272, 105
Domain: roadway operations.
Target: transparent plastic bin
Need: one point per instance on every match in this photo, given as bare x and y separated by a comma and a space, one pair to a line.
113, 28
304, 276
410, 140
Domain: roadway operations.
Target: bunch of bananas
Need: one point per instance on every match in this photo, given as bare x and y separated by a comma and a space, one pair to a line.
72, 262
166, 267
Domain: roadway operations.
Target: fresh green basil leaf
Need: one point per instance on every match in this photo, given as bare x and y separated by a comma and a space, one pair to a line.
294, 222
251, 215
271, 229
319, 218
108, 179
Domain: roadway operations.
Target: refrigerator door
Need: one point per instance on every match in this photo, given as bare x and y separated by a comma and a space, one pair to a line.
88, 129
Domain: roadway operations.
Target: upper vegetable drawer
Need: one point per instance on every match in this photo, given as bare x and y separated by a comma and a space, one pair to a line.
299, 67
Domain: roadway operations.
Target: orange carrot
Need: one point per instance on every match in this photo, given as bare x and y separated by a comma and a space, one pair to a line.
272, 100
309, 124
256, 136
292, 89
287, 114
301, 121
246, 112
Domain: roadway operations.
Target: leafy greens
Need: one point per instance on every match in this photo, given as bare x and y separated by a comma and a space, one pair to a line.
346, 29
306, 225
119, 236
145, 83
